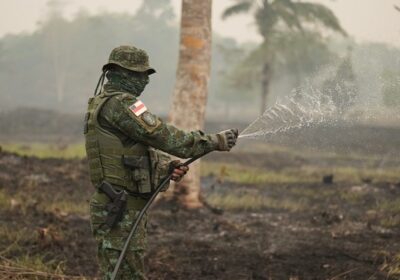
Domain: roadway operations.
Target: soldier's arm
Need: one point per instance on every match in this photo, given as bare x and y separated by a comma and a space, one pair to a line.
148, 129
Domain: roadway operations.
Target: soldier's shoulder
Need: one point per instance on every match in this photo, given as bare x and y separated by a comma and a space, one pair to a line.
123, 98
118, 101
133, 108
138, 111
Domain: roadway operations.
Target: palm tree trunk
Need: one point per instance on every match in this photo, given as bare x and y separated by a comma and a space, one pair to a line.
190, 94
266, 76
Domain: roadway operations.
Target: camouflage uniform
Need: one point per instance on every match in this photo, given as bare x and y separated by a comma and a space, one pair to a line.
118, 127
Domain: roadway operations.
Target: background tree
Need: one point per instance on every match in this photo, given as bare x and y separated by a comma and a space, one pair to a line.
62, 59
190, 94
342, 88
27, 78
297, 56
391, 88
275, 16
57, 35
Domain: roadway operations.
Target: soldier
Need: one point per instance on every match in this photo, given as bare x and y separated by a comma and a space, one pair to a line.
124, 146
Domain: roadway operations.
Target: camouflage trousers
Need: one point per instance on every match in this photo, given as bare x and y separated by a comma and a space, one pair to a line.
110, 241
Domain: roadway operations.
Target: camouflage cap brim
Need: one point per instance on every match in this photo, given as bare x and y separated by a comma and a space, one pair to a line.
147, 69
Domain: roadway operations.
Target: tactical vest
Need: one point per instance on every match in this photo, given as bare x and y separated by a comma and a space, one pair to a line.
136, 168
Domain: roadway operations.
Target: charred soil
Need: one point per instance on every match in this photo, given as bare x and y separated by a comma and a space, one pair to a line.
338, 230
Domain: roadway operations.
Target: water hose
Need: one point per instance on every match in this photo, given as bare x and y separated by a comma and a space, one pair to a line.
143, 211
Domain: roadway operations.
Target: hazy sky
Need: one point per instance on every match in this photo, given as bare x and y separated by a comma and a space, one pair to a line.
366, 20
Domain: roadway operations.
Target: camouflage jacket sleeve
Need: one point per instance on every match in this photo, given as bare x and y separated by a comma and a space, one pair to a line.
150, 130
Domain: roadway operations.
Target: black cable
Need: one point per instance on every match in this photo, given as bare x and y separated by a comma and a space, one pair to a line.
143, 211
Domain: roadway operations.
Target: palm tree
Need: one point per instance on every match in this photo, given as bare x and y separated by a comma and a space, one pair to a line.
190, 94
272, 17
342, 88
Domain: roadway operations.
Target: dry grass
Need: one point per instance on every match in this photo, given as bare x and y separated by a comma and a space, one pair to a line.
27, 265
389, 211
32, 268
390, 265
16, 262
249, 175
255, 202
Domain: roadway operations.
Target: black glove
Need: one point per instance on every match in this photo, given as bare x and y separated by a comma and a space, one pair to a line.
227, 139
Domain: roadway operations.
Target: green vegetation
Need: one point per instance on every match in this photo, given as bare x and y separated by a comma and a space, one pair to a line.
390, 221
392, 206
292, 152
249, 175
43, 150
261, 178
243, 174
65, 207
305, 174
301, 198
352, 197
4, 200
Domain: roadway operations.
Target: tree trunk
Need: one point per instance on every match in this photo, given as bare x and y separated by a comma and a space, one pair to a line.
266, 76
190, 94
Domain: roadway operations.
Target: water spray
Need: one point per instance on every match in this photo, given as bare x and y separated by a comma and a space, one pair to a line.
292, 112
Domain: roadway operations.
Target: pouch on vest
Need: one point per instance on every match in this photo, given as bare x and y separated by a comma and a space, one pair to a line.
159, 167
140, 172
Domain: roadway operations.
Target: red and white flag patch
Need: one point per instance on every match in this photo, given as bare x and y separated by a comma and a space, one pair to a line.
138, 108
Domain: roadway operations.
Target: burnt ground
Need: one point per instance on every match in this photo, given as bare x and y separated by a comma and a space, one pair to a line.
325, 242
307, 230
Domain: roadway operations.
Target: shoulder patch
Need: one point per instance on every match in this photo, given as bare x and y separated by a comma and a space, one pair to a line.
138, 108
149, 118
138, 111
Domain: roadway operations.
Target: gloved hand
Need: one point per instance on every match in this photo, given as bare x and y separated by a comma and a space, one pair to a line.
227, 139
178, 170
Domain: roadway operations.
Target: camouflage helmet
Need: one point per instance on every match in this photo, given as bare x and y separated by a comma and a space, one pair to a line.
131, 58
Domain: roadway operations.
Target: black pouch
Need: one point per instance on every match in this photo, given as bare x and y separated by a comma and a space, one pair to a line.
160, 167
140, 172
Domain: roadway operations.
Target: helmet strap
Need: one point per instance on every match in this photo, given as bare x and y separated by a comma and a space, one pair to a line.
100, 83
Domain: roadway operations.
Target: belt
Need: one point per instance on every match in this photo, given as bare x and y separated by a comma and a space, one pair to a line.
133, 202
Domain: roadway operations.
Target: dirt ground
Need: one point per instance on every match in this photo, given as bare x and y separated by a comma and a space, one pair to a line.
307, 230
